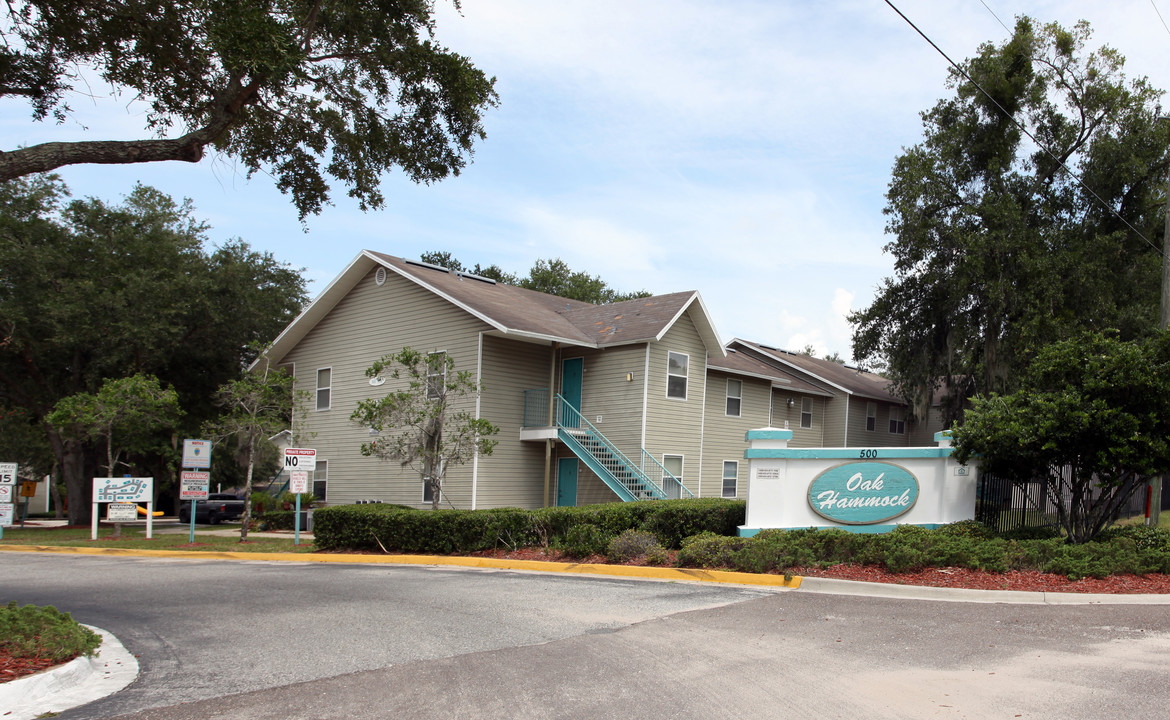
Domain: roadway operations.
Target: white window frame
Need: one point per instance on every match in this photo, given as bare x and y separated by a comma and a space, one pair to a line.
871, 417
806, 401
682, 464
684, 376
734, 478
328, 389
321, 475
426, 487
897, 420
737, 397
442, 377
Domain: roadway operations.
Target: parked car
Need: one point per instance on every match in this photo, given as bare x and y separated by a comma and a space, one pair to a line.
216, 508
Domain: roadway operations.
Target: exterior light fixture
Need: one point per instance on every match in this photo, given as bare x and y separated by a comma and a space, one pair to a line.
791, 402
629, 377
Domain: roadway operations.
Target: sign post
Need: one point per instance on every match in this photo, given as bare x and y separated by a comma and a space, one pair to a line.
297, 461
7, 495
194, 485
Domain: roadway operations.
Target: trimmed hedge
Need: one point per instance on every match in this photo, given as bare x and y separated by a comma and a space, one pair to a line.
393, 529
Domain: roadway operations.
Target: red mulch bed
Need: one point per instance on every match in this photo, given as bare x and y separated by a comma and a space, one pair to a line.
1025, 580
15, 667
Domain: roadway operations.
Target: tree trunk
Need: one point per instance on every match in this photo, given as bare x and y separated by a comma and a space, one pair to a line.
247, 519
55, 492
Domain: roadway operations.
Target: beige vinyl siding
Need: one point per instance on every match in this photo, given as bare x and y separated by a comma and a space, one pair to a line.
513, 475
723, 436
880, 436
833, 430
369, 322
674, 427
781, 414
606, 393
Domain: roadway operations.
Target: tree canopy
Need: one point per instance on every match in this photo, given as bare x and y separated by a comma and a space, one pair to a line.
298, 89
91, 292
1090, 423
552, 276
998, 248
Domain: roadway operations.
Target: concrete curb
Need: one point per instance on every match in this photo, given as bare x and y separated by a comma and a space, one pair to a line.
77, 682
807, 584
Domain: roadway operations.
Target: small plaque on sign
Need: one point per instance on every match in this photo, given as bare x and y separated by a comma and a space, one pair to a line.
298, 481
767, 473
121, 512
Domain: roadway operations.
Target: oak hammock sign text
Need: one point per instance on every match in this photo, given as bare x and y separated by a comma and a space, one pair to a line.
863, 493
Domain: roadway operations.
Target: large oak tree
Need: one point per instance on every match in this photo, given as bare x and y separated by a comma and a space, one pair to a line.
998, 249
91, 292
300, 89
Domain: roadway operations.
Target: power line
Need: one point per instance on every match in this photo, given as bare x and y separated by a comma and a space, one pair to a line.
1159, 13
1021, 127
1005, 27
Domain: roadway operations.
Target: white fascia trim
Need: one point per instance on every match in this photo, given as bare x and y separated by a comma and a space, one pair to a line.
402, 273
703, 426
508, 332
795, 367
714, 334
478, 398
310, 308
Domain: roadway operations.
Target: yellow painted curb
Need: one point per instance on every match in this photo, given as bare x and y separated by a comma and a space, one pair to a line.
655, 573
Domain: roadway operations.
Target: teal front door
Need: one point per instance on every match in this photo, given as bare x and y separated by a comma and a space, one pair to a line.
572, 372
567, 482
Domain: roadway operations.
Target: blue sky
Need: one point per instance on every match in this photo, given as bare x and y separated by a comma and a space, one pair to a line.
741, 149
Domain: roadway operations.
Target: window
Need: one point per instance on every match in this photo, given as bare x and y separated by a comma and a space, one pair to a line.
734, 397
324, 388
320, 478
806, 412
436, 374
674, 466
730, 475
428, 495
676, 375
898, 420
870, 416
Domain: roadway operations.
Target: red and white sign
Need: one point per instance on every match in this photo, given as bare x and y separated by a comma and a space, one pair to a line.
299, 458
193, 485
298, 481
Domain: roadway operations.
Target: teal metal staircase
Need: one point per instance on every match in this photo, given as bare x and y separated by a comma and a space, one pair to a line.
646, 481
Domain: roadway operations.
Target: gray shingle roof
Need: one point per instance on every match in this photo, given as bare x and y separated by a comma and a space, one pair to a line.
858, 382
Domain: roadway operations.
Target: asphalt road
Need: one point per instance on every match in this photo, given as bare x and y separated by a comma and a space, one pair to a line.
218, 639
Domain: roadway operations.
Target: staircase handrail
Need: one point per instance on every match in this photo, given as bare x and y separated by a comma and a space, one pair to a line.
574, 413
665, 473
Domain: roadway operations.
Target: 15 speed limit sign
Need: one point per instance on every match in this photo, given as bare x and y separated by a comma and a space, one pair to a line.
299, 458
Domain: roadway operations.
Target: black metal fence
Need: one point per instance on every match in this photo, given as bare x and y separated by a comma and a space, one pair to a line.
1006, 505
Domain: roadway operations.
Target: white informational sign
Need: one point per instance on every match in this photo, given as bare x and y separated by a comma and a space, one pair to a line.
299, 458
122, 489
6, 514
298, 481
193, 485
121, 512
7, 473
197, 454
6, 493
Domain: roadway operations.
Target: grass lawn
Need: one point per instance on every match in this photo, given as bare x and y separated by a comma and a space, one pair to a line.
135, 538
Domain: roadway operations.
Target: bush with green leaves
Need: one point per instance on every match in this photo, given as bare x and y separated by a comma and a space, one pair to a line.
634, 545
44, 632
708, 550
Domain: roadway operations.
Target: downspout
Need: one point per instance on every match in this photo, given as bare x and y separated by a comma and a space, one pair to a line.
478, 399
846, 421
548, 442
645, 395
703, 423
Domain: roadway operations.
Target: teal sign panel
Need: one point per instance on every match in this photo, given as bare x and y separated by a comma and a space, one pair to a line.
863, 493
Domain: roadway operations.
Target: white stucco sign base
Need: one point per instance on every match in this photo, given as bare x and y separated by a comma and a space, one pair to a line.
856, 489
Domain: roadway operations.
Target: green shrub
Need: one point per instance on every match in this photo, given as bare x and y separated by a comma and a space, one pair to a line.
583, 540
708, 550
44, 632
635, 545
